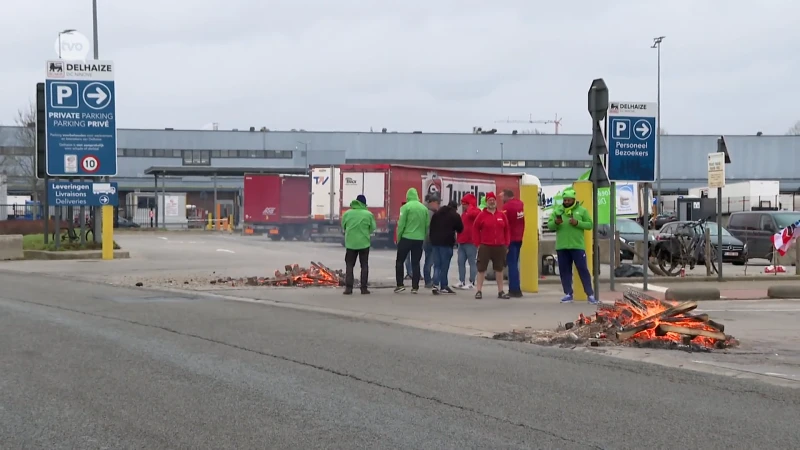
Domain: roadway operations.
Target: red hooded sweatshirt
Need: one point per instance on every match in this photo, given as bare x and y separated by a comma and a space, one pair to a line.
514, 211
491, 228
471, 211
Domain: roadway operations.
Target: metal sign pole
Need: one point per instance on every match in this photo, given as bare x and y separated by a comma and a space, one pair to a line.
612, 237
719, 234
646, 225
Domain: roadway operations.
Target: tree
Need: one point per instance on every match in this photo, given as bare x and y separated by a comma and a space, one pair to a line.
795, 129
20, 161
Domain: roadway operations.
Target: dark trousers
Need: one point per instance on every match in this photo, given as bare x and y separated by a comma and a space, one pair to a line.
404, 248
350, 257
512, 262
566, 258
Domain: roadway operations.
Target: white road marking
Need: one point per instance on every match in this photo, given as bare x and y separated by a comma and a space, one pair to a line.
225, 250
651, 287
162, 237
780, 374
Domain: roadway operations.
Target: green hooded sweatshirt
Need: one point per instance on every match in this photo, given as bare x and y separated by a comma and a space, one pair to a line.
568, 236
413, 223
358, 224
482, 204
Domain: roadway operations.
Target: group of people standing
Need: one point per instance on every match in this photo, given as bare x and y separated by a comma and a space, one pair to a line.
482, 235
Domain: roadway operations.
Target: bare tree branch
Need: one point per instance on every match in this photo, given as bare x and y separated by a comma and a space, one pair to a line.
795, 129
20, 161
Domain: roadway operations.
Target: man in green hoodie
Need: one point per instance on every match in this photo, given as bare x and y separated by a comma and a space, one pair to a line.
569, 220
412, 230
358, 224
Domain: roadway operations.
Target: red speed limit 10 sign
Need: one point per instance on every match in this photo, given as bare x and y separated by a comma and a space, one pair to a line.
90, 164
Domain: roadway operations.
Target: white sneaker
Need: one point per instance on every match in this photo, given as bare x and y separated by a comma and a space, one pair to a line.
470, 286
461, 286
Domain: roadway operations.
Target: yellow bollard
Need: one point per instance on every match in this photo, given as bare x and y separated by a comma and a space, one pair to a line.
210, 226
218, 216
583, 194
108, 232
529, 255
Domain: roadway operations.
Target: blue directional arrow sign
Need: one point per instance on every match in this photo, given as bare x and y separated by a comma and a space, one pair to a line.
632, 130
80, 125
82, 193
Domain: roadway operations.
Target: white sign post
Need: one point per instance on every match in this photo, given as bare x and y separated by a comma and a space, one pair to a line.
716, 170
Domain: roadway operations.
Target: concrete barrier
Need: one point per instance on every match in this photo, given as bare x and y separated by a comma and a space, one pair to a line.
11, 247
784, 291
691, 293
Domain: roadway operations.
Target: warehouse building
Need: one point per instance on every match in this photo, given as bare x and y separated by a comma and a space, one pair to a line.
555, 159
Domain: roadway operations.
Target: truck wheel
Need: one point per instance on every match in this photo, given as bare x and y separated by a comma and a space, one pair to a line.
305, 235
275, 237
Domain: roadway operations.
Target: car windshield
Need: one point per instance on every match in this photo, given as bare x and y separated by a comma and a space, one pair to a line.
785, 219
712, 228
627, 226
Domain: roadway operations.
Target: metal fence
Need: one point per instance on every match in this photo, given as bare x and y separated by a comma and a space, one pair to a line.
783, 202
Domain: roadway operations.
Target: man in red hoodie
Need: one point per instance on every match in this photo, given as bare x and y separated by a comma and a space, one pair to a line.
492, 235
514, 210
467, 251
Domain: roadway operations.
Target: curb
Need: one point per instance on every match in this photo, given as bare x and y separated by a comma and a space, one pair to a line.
43, 255
692, 293
784, 291
553, 279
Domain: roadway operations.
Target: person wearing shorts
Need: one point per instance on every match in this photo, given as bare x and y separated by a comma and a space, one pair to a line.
492, 235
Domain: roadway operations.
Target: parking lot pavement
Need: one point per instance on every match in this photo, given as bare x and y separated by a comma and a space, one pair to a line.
172, 256
187, 254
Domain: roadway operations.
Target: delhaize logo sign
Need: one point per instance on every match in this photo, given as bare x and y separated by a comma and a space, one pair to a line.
452, 189
617, 108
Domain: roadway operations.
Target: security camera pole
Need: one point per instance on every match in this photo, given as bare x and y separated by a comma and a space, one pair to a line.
598, 106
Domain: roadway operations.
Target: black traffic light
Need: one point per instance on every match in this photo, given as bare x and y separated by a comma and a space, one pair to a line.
598, 99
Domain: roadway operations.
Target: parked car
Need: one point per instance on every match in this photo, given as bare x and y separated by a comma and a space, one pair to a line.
756, 228
630, 232
663, 219
125, 223
733, 250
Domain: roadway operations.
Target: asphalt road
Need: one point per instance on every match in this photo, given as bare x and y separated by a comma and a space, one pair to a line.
91, 366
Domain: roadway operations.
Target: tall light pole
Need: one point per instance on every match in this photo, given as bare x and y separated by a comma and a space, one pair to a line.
657, 45
98, 212
67, 31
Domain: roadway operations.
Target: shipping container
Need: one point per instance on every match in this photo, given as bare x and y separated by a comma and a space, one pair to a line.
385, 187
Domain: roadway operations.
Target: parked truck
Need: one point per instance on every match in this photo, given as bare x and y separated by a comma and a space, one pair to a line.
385, 187
302, 207
745, 196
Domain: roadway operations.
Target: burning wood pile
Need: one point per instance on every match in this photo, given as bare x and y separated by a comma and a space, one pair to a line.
637, 320
317, 274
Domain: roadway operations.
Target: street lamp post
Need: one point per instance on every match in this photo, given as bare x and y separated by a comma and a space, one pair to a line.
67, 31
657, 45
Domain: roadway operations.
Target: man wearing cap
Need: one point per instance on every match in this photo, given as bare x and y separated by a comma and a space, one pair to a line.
514, 210
569, 220
432, 202
492, 236
358, 224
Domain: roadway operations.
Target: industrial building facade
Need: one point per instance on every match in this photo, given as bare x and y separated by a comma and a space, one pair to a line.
555, 159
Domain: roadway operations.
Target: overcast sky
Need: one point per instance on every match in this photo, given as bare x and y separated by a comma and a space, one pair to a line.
728, 66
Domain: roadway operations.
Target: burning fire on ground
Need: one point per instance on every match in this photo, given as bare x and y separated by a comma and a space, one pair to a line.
317, 274
636, 320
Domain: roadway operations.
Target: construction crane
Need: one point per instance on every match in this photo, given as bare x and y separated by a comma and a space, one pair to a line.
556, 121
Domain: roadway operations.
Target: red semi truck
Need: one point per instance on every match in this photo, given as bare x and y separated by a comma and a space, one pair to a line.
290, 207
385, 187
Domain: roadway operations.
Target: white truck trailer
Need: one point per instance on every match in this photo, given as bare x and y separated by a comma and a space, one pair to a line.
744, 196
